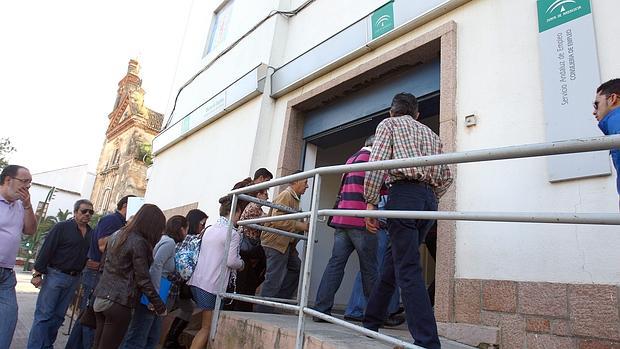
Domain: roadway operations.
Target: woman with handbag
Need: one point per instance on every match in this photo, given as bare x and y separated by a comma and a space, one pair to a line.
205, 280
145, 326
129, 254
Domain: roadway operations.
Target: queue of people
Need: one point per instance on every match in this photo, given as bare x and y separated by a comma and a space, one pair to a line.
133, 294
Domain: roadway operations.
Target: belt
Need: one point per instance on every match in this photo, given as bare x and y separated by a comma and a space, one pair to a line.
92, 265
407, 181
70, 272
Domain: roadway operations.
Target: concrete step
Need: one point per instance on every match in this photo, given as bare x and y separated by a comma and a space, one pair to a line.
267, 331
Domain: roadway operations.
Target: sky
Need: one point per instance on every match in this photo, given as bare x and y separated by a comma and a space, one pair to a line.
60, 64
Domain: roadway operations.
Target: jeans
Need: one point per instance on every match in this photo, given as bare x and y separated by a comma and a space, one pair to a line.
357, 300
57, 291
281, 276
144, 329
402, 266
345, 241
8, 306
82, 337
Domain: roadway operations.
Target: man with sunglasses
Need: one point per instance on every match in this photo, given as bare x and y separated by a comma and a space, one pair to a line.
607, 113
82, 337
16, 218
57, 272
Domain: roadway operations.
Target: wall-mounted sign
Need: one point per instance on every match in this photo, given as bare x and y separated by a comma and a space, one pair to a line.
382, 20
570, 74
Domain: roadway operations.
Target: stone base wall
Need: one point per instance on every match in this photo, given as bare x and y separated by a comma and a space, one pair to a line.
542, 315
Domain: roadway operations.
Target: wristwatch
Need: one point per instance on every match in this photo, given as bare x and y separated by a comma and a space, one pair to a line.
36, 275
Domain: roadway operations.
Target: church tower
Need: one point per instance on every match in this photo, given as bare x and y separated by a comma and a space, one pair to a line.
126, 151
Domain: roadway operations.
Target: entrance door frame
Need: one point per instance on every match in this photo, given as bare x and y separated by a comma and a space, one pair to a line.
440, 41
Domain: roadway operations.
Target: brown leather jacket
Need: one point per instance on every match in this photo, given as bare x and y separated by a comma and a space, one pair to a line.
126, 274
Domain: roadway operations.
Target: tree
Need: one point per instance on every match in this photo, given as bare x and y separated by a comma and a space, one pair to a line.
5, 149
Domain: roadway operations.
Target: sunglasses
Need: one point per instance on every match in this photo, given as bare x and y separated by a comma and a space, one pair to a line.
86, 210
595, 104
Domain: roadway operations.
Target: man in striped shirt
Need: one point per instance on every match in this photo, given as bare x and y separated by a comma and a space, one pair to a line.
410, 189
350, 235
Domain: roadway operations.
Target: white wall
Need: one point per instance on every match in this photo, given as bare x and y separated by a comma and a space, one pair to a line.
498, 79
62, 200
506, 95
249, 53
206, 165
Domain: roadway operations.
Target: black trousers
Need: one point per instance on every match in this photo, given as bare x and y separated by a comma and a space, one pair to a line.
112, 324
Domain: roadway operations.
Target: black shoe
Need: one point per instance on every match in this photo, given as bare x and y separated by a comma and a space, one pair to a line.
399, 311
353, 318
394, 320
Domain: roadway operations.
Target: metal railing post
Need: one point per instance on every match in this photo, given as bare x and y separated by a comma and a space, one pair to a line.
307, 269
223, 281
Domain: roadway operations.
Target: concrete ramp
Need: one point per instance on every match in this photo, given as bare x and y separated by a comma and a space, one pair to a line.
270, 331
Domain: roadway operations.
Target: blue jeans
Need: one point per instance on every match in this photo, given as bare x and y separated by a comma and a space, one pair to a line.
357, 300
402, 266
143, 331
57, 291
8, 306
82, 337
345, 241
281, 276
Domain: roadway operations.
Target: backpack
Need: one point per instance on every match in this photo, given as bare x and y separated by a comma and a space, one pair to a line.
186, 256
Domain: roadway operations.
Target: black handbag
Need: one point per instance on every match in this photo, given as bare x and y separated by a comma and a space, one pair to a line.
87, 316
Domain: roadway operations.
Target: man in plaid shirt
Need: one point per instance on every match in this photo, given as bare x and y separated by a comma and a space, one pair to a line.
410, 189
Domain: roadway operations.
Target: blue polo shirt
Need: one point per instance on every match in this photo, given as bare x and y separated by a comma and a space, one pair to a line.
610, 125
107, 226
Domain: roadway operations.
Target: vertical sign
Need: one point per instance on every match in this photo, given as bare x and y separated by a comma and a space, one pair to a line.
382, 20
570, 75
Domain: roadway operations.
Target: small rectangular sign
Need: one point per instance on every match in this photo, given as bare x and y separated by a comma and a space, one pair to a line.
552, 13
382, 20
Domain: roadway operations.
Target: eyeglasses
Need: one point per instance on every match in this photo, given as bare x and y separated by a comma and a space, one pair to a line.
595, 103
25, 181
86, 210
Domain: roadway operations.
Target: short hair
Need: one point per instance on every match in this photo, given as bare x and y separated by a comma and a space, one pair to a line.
369, 141
263, 172
174, 225
193, 218
611, 86
81, 202
123, 201
404, 104
10, 171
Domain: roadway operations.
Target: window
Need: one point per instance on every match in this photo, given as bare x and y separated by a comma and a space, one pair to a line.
219, 27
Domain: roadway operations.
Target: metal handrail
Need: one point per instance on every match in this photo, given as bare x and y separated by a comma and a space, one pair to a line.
580, 145
513, 152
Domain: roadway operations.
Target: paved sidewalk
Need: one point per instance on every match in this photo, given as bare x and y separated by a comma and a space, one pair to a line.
27, 300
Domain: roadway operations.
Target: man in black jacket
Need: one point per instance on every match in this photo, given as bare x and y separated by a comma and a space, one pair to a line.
57, 272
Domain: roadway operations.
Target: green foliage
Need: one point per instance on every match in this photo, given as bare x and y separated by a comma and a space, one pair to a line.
145, 153
5, 149
94, 220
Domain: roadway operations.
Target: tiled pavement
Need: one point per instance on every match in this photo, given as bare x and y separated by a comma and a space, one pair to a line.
27, 299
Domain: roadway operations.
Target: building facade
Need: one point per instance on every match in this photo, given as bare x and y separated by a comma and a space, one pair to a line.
290, 84
71, 184
126, 150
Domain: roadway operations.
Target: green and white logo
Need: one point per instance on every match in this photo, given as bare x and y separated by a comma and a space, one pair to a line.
382, 20
552, 13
